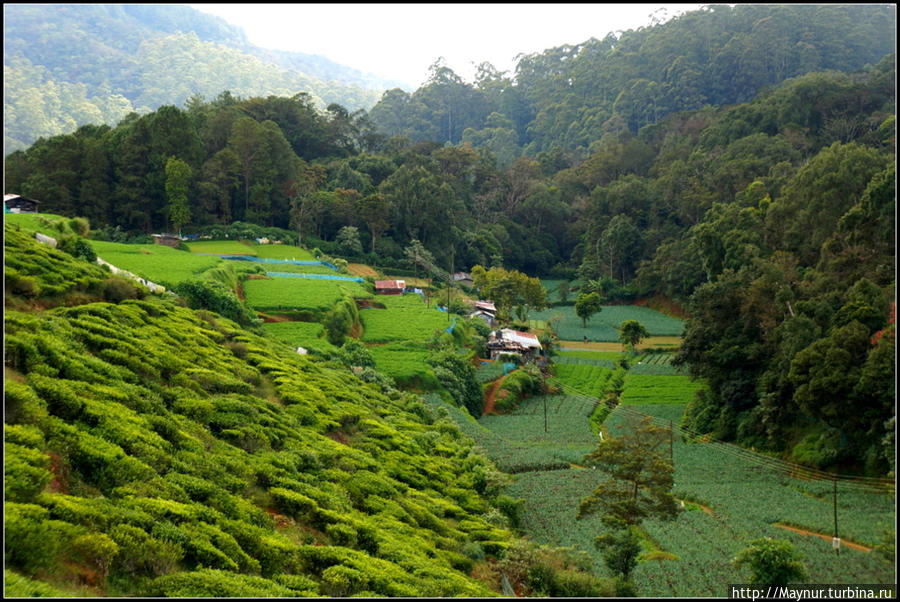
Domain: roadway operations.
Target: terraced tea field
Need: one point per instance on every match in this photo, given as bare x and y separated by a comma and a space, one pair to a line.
406, 363
404, 318
299, 293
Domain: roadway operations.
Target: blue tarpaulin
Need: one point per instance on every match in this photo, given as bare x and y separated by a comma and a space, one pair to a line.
315, 276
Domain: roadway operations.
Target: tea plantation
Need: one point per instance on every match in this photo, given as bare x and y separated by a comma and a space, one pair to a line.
153, 450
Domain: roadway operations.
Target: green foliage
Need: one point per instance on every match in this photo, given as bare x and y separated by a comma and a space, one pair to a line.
457, 376
17, 586
642, 478
143, 555
518, 385
620, 551
511, 290
772, 562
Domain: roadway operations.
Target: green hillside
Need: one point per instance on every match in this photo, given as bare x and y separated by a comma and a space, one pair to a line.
152, 450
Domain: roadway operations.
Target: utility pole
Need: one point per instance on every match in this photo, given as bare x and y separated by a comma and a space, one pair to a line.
545, 413
671, 445
449, 281
836, 542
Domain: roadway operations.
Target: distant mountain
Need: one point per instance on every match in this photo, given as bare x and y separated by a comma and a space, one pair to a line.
69, 65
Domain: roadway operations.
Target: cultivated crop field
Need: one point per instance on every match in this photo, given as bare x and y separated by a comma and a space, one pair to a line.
283, 252
299, 334
157, 263
584, 356
732, 496
587, 379
299, 293
45, 223
602, 326
224, 247
405, 318
658, 389
517, 442
291, 268
655, 363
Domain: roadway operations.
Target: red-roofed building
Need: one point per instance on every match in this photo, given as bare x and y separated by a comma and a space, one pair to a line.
390, 287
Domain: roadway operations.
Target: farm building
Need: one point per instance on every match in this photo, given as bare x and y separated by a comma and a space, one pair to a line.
486, 311
512, 341
486, 317
487, 306
14, 203
389, 287
462, 278
170, 240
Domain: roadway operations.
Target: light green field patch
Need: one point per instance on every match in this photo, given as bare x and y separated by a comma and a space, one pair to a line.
299, 334
224, 247
284, 252
157, 263
45, 223
405, 318
299, 293
406, 363
659, 389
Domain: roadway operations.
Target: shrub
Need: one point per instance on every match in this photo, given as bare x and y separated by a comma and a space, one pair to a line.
21, 403
771, 562
212, 583
25, 472
95, 549
32, 541
341, 581
117, 289
292, 503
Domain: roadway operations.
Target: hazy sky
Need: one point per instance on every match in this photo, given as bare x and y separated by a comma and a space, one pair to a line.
400, 41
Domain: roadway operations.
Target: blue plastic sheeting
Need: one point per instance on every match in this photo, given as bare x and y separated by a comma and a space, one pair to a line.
267, 260
508, 367
443, 309
451, 327
315, 276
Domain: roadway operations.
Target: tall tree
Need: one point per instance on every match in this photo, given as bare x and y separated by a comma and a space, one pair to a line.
641, 477
178, 177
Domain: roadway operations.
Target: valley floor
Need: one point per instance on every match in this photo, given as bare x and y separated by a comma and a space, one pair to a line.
730, 495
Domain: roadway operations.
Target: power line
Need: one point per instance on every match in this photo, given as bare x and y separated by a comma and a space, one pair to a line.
787, 468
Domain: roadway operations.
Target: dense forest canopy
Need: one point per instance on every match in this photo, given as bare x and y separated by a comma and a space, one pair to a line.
737, 159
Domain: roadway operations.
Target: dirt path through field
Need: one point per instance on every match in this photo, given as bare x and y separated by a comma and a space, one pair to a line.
844, 542
490, 397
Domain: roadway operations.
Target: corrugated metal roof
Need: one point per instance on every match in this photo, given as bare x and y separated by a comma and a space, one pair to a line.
523, 338
390, 284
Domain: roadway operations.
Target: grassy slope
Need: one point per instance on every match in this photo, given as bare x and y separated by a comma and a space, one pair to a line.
157, 263
153, 450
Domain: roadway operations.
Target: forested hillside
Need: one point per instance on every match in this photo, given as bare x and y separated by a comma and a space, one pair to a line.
675, 160
71, 65
568, 100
